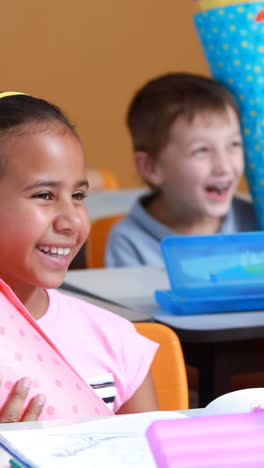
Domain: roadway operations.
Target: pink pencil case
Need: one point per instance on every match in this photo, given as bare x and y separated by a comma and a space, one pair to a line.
25, 350
230, 441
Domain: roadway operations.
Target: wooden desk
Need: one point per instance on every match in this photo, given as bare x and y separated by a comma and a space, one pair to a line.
107, 203
219, 345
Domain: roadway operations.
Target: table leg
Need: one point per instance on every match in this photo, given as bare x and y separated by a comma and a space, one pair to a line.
218, 362
214, 374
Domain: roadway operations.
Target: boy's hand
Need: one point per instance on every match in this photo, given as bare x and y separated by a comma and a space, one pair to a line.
12, 410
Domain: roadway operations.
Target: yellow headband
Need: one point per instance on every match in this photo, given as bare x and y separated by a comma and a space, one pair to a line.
10, 93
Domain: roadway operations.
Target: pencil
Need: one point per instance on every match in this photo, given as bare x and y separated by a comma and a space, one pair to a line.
15, 464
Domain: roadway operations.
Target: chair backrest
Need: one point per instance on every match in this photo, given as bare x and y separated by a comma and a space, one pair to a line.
168, 367
97, 240
101, 179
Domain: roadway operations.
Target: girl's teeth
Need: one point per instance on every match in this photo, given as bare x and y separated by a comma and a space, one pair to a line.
55, 250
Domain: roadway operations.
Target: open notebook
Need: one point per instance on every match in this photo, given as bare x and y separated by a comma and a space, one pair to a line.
27, 351
120, 441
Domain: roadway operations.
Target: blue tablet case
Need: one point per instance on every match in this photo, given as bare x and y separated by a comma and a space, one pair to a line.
213, 273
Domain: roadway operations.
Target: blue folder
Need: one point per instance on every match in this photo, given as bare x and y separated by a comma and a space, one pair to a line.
213, 273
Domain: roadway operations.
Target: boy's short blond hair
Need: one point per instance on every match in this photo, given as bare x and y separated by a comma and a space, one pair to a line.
156, 106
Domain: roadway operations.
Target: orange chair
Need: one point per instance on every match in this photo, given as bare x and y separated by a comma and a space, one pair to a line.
97, 240
102, 179
168, 367
110, 180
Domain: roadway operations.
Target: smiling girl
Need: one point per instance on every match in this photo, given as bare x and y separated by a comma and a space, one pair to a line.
44, 223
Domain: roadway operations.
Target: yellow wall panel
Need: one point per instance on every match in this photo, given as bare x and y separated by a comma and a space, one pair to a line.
89, 57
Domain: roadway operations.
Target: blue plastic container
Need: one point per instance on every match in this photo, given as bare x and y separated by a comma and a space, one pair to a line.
214, 273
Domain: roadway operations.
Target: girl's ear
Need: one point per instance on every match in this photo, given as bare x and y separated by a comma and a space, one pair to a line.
148, 168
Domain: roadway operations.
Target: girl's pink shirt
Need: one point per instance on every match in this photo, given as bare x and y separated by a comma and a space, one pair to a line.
98, 342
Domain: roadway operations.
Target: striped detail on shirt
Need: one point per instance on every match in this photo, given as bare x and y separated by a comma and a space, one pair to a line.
104, 386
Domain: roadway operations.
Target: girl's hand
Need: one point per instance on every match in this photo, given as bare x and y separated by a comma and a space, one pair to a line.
12, 409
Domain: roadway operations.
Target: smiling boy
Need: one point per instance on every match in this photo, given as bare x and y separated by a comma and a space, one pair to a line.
188, 148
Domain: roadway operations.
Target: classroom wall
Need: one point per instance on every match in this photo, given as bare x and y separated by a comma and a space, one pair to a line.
89, 57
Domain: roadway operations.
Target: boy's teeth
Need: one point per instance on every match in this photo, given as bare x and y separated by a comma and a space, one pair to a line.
55, 250
219, 188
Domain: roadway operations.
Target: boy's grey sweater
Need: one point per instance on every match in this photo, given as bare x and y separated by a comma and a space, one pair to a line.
135, 240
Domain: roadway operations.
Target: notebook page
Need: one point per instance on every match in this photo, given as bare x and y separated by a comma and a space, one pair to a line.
114, 441
239, 401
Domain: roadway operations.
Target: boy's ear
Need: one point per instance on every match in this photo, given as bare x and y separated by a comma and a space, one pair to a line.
148, 168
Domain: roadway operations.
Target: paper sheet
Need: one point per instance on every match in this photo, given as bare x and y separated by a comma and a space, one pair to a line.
116, 441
